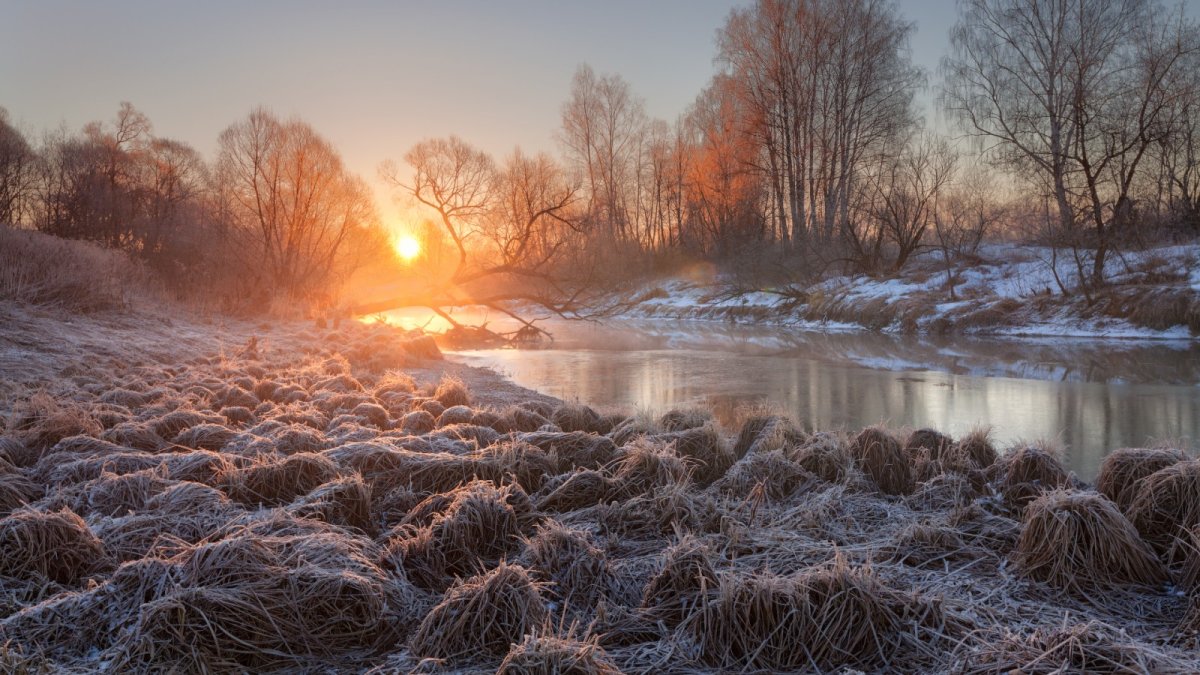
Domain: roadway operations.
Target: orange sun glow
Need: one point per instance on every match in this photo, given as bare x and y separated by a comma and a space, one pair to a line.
407, 247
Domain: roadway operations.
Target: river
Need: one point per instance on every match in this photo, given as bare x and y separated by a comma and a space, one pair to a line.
1088, 396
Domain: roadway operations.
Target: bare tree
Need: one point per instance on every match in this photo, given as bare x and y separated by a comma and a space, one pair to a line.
724, 192
452, 178
903, 205
1073, 93
511, 227
828, 85
969, 210
17, 172
90, 184
290, 203
602, 131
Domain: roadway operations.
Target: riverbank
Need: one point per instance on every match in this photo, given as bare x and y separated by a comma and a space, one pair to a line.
1008, 290
230, 495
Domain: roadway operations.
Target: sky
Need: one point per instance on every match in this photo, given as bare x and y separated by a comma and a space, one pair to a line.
372, 77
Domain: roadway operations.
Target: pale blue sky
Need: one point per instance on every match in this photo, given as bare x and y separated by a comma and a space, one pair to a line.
373, 77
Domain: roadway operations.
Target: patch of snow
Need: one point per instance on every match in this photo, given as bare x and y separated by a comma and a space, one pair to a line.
1010, 273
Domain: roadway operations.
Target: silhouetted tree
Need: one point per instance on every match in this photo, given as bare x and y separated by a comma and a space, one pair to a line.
18, 163
512, 227
292, 207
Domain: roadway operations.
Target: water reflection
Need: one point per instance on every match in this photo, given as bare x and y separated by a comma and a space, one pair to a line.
1090, 396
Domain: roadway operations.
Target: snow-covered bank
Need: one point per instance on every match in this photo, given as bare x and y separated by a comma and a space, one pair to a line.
1011, 290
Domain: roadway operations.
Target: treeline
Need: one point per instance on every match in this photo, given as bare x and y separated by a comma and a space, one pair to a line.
1076, 125
274, 215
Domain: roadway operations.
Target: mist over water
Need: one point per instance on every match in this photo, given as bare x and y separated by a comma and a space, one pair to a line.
1090, 396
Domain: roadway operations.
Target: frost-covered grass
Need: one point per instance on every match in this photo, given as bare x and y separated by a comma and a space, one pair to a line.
39, 269
1008, 290
340, 501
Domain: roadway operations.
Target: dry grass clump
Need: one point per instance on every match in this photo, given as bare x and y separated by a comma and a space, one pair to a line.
127, 398
576, 569
704, 447
948, 490
934, 442
522, 419
433, 407
670, 509
65, 468
185, 513
173, 423
1123, 468
116, 495
1167, 504
575, 490
1027, 471
291, 439
1091, 647
253, 602
973, 452
56, 546
206, 436
527, 464
459, 414
41, 421
475, 436
136, 435
451, 391
237, 415
374, 413
922, 544
769, 474
645, 465
686, 576
575, 449
88, 446
824, 618
417, 422
341, 383
16, 491
480, 617
824, 455
345, 502
550, 655
765, 433
681, 419
423, 471
274, 482
472, 527
394, 382
184, 497
1079, 542
577, 417
198, 466
880, 457
633, 427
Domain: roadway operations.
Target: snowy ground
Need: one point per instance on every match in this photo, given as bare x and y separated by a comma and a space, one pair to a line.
1012, 291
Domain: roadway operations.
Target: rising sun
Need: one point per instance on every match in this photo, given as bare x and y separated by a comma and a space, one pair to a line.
407, 247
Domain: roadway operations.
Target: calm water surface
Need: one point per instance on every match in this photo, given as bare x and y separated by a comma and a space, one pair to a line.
1090, 396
